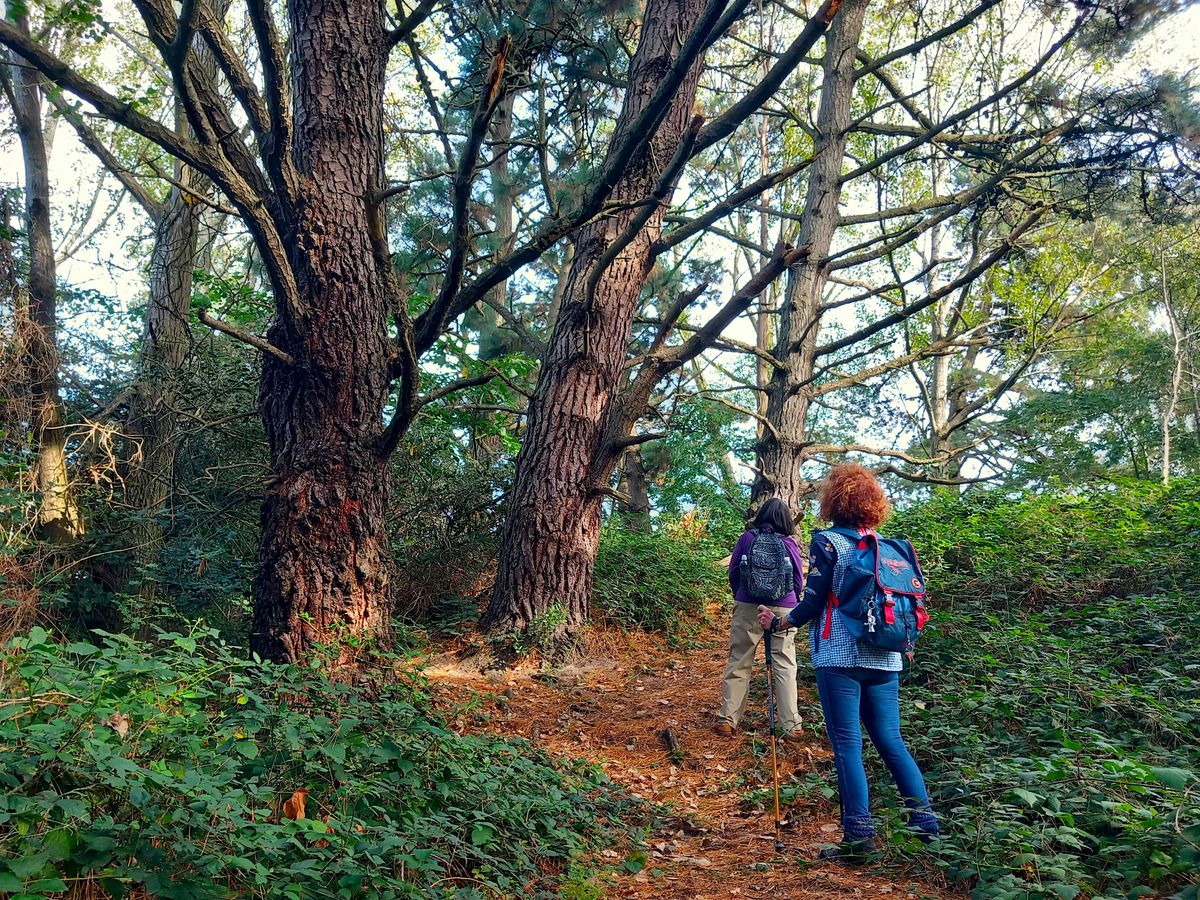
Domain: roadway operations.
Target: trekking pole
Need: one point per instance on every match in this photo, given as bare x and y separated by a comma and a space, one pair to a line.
774, 758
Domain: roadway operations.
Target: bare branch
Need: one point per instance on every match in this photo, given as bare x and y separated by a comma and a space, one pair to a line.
89, 139
117, 110
410, 22
439, 310
245, 337
737, 199
407, 411
933, 131
931, 38
728, 122
278, 155
671, 316
967, 277
649, 206
632, 440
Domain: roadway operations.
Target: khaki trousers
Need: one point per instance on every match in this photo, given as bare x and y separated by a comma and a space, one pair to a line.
744, 637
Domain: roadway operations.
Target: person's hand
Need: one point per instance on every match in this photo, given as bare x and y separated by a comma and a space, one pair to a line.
765, 618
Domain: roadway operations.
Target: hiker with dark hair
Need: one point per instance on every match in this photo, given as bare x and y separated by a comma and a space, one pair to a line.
765, 567
865, 603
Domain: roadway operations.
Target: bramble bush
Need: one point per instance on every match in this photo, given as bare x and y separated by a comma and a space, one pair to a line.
167, 767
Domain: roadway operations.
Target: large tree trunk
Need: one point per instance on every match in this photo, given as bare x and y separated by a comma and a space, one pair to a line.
781, 453
552, 531
324, 562
58, 516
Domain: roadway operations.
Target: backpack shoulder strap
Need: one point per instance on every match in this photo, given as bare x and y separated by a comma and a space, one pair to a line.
842, 548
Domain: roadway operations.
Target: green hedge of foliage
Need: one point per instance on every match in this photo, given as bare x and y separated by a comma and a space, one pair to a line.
1055, 707
661, 581
1055, 548
166, 767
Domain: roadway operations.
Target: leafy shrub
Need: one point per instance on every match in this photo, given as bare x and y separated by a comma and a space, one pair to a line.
659, 581
169, 768
1056, 548
1062, 748
1058, 707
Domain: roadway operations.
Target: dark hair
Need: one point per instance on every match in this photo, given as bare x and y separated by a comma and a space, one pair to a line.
776, 514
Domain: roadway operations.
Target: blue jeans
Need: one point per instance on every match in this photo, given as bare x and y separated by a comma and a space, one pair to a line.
871, 696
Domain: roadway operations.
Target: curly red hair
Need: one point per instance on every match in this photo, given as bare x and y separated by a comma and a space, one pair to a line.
851, 496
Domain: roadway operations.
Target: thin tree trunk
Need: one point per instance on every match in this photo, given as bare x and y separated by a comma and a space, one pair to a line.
767, 303
635, 510
14, 398
552, 530
324, 562
1177, 353
494, 339
782, 451
58, 516
153, 422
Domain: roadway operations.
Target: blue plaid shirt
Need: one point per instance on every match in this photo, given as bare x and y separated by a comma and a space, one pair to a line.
840, 649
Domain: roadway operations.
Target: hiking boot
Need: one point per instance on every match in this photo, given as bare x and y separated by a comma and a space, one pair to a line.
723, 729
851, 853
793, 739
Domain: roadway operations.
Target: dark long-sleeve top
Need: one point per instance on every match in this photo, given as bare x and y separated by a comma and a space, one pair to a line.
818, 583
743, 547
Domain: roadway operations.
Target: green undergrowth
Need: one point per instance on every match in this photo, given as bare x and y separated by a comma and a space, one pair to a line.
1061, 748
166, 767
661, 581
1055, 707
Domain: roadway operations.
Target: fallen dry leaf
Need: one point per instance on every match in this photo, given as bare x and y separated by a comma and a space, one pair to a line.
119, 722
293, 807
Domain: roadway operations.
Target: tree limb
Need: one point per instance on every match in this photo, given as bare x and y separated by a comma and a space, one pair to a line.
410, 22
967, 277
154, 209
245, 337
117, 110
435, 318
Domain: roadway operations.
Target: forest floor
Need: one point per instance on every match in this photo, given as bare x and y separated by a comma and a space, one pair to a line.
612, 704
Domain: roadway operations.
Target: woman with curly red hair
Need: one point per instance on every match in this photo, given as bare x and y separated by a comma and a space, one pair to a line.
856, 683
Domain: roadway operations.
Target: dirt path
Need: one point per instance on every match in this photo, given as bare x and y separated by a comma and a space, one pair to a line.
613, 711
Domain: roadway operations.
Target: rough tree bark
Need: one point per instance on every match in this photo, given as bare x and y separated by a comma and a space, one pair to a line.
324, 561
58, 516
781, 449
552, 531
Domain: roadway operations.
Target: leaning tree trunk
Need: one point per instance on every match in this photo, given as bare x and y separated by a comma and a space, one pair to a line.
324, 562
552, 531
781, 451
58, 516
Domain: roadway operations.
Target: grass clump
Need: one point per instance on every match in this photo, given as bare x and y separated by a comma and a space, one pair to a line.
173, 768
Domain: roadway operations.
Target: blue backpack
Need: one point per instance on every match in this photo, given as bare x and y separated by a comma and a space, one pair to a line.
882, 590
